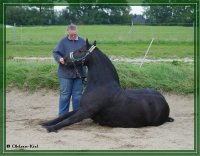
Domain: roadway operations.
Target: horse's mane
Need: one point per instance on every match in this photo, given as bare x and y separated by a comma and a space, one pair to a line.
107, 62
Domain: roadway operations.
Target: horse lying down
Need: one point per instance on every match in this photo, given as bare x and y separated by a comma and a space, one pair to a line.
106, 102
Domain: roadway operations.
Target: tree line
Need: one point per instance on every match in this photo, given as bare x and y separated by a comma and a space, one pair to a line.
171, 15
97, 14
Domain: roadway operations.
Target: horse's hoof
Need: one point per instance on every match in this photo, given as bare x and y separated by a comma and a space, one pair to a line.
50, 129
44, 124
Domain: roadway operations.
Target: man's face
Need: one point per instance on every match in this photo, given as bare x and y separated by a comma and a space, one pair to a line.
72, 34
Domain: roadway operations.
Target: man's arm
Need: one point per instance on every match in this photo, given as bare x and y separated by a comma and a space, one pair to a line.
58, 52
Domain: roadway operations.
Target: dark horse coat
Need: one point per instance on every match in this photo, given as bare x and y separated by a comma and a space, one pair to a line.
106, 102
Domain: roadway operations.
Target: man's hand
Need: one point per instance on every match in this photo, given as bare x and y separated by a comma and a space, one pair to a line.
62, 60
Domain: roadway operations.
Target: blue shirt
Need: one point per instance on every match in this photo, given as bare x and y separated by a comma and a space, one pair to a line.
62, 50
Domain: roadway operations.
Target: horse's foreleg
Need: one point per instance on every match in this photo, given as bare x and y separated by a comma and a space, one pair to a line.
78, 116
59, 119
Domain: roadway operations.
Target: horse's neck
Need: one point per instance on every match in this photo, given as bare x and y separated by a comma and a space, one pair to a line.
100, 69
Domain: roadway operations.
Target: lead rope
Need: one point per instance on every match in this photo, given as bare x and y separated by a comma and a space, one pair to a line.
73, 59
76, 70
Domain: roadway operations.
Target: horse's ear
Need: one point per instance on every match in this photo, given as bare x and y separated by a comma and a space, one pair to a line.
94, 43
87, 43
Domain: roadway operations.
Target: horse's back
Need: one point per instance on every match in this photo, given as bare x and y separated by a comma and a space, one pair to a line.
135, 108
143, 91
155, 105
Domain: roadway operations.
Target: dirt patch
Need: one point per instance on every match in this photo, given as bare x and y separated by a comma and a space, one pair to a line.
24, 112
115, 59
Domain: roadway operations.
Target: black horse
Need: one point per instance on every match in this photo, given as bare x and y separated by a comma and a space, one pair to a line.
106, 102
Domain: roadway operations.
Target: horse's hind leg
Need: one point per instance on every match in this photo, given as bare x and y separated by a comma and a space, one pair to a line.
59, 119
78, 116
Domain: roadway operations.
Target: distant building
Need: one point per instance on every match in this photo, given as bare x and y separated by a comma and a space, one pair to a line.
9, 26
138, 19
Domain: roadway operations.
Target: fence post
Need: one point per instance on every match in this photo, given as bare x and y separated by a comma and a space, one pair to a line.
21, 36
146, 52
14, 33
131, 27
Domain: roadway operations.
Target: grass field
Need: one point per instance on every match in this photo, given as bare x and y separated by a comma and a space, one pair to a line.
168, 77
170, 41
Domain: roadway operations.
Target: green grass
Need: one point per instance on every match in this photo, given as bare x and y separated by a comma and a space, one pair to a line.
31, 75
170, 41
113, 40
166, 77
177, 78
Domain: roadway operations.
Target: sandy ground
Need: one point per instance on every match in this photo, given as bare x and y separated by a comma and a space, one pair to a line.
26, 110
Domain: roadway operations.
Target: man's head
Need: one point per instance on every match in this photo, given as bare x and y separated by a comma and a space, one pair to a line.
72, 31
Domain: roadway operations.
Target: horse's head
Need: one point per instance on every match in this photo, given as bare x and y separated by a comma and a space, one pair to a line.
80, 55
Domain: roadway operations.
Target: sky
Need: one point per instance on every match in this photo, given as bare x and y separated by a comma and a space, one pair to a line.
134, 9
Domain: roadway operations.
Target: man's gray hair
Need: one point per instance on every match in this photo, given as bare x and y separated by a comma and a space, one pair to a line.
72, 27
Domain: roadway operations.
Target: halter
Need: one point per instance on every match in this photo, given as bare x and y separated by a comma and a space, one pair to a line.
71, 56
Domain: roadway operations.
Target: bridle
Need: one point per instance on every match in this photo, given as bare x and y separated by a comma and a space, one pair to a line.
82, 59
71, 54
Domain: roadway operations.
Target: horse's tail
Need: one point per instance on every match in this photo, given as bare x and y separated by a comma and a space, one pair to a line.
169, 119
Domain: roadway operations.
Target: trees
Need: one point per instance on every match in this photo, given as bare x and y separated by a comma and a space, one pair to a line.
78, 14
171, 15
96, 14
29, 15
82, 13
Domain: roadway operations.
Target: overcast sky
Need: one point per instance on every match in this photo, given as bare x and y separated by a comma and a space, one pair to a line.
134, 9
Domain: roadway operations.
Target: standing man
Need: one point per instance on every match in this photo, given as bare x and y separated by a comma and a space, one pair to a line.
70, 83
